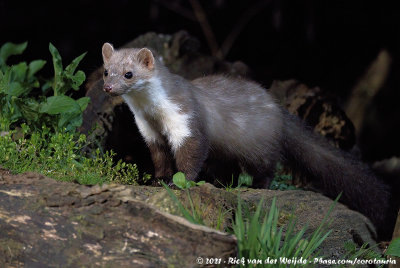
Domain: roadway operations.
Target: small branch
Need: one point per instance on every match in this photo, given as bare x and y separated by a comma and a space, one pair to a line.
239, 26
205, 26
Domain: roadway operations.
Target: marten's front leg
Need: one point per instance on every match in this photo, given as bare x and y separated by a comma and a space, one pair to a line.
190, 156
162, 160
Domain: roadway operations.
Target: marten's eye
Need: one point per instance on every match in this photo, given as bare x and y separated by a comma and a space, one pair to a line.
105, 72
128, 75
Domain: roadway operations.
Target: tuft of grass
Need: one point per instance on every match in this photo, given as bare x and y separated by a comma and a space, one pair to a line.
244, 180
182, 183
262, 238
59, 155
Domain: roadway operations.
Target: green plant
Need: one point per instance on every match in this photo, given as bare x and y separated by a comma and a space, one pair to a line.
366, 252
394, 248
24, 100
182, 183
265, 241
281, 180
50, 144
59, 155
244, 180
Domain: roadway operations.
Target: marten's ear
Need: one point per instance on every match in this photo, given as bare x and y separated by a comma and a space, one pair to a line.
146, 58
107, 50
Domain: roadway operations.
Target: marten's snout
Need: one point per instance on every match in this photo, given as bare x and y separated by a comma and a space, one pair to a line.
107, 88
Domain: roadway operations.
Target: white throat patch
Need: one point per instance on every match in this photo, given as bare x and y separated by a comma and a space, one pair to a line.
154, 102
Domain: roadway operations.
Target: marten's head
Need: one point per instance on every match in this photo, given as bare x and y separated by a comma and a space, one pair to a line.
126, 70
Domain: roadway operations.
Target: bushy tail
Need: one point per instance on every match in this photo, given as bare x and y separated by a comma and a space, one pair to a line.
333, 171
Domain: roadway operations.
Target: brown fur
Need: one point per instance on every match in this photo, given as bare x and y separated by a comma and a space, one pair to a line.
163, 160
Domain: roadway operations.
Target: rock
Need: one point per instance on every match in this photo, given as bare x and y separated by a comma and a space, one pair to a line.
44, 222
47, 223
310, 208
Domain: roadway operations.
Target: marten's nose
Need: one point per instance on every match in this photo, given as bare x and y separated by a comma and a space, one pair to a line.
107, 88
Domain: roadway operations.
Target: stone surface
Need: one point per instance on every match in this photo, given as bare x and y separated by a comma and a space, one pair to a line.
45, 223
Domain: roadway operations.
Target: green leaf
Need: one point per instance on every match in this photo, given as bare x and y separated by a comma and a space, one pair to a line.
77, 79
46, 87
179, 180
70, 69
35, 66
60, 104
9, 49
245, 179
5, 80
16, 89
394, 248
58, 69
30, 109
18, 72
70, 121
83, 102
189, 184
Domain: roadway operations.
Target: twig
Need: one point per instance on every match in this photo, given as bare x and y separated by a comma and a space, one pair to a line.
241, 23
205, 26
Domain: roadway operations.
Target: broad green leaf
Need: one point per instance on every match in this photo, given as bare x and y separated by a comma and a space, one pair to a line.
189, 184
9, 49
35, 66
18, 72
179, 180
70, 69
60, 104
394, 248
30, 109
83, 102
70, 121
16, 89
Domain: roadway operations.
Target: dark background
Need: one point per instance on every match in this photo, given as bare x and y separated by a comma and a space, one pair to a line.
321, 43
